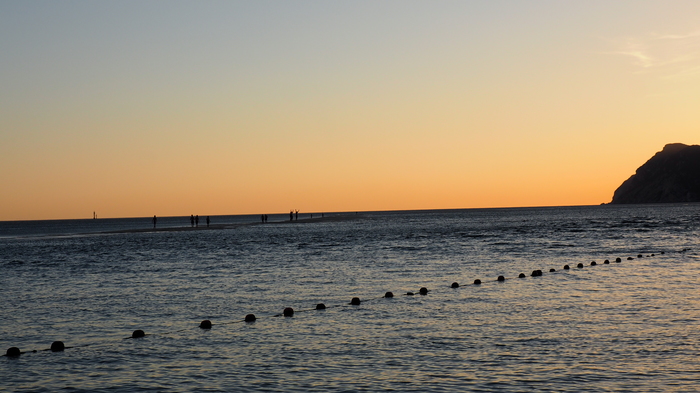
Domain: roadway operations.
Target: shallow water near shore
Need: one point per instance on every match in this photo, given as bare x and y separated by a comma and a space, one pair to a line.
628, 326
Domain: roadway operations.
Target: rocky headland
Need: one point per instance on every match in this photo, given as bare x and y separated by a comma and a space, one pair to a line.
670, 176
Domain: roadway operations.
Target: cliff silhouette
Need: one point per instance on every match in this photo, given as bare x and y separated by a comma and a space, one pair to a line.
670, 176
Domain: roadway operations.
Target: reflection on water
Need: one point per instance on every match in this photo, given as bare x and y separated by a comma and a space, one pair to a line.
617, 326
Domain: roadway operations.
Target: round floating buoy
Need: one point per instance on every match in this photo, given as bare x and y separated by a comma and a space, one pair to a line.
320, 306
618, 260
663, 252
423, 291
593, 263
653, 255
288, 312
552, 270
205, 324
138, 333
536, 273
57, 346
521, 275
501, 278
629, 258
607, 262
477, 282
389, 294
13, 352
251, 317
355, 301
454, 285
580, 266
409, 294
566, 267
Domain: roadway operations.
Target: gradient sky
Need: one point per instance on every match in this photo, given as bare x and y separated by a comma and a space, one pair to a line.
135, 108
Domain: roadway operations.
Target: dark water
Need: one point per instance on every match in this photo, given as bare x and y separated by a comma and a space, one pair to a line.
629, 326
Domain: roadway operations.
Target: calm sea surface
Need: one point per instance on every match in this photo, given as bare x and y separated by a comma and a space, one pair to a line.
629, 326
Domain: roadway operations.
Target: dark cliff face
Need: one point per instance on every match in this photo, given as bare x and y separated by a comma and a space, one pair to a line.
672, 175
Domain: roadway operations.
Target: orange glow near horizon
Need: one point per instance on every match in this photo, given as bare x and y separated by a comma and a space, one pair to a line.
248, 109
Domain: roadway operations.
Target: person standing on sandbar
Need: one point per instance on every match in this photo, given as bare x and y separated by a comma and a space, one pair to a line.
154, 222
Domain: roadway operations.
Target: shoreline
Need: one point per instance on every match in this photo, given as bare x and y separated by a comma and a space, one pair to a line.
335, 218
306, 220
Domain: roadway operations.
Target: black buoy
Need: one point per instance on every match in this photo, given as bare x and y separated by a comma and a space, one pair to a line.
320, 306
409, 293
566, 267
205, 324
501, 278
593, 263
521, 275
629, 258
552, 270
389, 294
477, 282
653, 255
618, 260
663, 252
640, 256
288, 312
580, 266
251, 317
423, 291
13, 352
355, 301
536, 273
607, 262
138, 333
57, 346
455, 285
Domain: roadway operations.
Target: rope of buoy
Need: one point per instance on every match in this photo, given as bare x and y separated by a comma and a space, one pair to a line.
59, 346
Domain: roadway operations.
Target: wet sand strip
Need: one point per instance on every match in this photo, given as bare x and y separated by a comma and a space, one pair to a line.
333, 218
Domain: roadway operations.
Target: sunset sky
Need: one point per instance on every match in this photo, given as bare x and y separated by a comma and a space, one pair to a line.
136, 108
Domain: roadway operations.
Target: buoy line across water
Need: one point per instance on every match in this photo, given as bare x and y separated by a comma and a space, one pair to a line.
59, 346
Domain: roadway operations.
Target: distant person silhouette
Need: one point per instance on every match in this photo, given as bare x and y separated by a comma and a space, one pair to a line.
154, 221
208, 221
196, 220
291, 215
262, 218
296, 215
192, 220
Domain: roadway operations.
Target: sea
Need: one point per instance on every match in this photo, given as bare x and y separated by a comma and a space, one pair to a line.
605, 324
